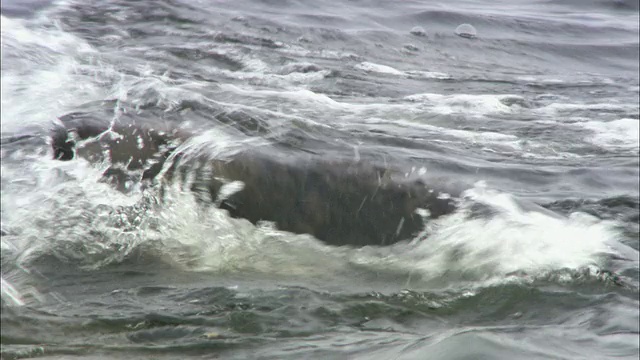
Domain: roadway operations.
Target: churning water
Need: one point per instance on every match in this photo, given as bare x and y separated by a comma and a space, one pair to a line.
541, 106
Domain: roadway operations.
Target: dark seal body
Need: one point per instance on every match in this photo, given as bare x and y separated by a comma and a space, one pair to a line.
341, 202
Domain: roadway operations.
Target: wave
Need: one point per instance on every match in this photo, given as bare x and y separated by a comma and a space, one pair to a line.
197, 318
622, 133
96, 226
624, 206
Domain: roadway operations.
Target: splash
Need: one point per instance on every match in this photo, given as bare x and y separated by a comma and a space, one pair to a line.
506, 241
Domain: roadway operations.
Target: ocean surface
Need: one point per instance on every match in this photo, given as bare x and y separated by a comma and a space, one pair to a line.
540, 106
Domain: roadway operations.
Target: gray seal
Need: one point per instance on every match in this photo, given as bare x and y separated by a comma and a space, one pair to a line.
338, 201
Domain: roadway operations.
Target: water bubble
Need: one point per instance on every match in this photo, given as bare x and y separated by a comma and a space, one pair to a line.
466, 31
418, 31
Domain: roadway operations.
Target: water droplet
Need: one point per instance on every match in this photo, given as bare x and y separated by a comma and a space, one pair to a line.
466, 31
418, 31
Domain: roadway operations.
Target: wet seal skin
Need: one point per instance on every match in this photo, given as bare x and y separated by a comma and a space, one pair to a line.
132, 149
337, 201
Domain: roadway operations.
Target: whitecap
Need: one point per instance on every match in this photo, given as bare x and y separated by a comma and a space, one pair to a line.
383, 69
474, 105
622, 133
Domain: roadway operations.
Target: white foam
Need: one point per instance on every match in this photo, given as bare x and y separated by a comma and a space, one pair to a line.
297, 95
552, 81
301, 52
556, 108
388, 70
487, 140
487, 137
474, 105
258, 72
52, 207
51, 72
526, 78
428, 75
255, 65
277, 80
382, 69
208, 239
622, 133
497, 247
16, 35
580, 79
158, 89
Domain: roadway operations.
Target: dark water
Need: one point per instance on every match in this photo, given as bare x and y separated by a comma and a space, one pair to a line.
541, 105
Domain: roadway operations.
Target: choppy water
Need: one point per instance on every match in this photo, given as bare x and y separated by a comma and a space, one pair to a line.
542, 105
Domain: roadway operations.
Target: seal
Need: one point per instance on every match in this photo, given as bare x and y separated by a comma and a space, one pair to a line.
338, 201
